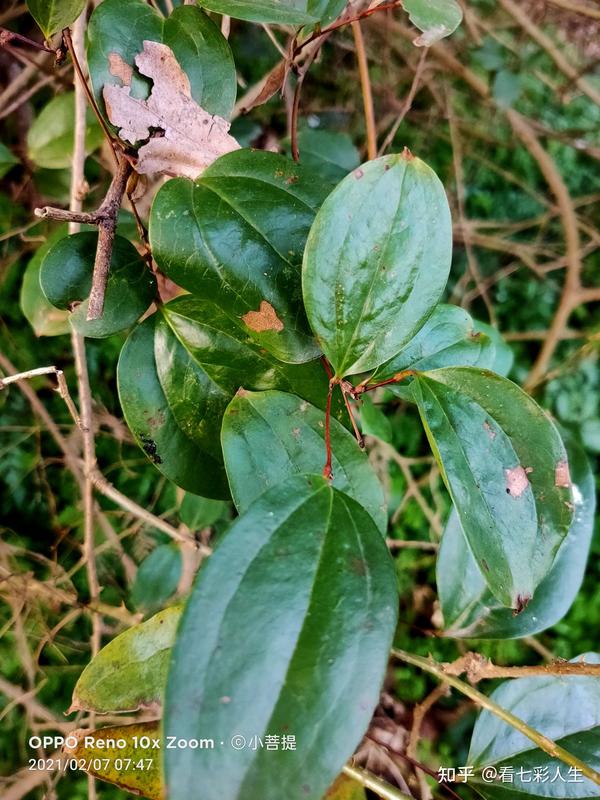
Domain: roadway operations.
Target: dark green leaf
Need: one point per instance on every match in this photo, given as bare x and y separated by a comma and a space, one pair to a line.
157, 577
330, 153
376, 261
287, 632
373, 421
565, 708
469, 608
506, 469
447, 339
7, 160
122, 26
237, 235
54, 15
44, 318
130, 672
177, 373
66, 279
507, 88
51, 135
268, 436
435, 18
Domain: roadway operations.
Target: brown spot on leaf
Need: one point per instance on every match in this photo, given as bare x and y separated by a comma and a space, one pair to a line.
358, 173
491, 432
407, 155
120, 69
265, 319
562, 477
521, 603
517, 480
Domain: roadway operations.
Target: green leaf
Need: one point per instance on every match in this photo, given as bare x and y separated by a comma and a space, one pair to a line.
376, 261
284, 12
135, 766
447, 339
506, 469
54, 15
130, 672
51, 135
435, 18
507, 87
269, 436
286, 633
345, 788
7, 160
236, 235
331, 154
157, 577
542, 703
469, 608
201, 512
122, 26
177, 373
373, 421
66, 279
44, 318
503, 357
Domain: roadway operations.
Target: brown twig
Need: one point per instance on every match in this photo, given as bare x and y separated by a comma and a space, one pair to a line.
478, 668
407, 105
367, 94
8, 37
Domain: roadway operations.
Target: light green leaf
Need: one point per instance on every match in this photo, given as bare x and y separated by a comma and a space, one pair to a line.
157, 577
51, 135
469, 608
286, 633
120, 27
236, 235
564, 708
201, 512
284, 12
345, 788
44, 318
66, 279
329, 153
376, 261
269, 436
435, 18
130, 672
135, 767
373, 421
177, 373
54, 15
507, 472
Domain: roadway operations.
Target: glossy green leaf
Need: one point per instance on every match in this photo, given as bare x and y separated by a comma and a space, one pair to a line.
284, 12
177, 373
54, 15
435, 18
122, 26
373, 422
124, 755
376, 261
503, 357
330, 153
268, 436
130, 672
157, 577
447, 339
506, 469
286, 633
468, 607
566, 709
7, 160
44, 318
66, 279
51, 135
237, 235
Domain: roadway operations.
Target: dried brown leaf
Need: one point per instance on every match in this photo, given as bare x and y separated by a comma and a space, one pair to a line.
191, 137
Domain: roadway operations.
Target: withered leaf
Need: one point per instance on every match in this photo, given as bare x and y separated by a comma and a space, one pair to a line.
191, 137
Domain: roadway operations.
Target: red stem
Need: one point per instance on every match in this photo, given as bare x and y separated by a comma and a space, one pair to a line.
327, 471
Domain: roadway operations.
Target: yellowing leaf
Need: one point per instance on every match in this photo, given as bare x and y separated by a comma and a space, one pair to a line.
191, 137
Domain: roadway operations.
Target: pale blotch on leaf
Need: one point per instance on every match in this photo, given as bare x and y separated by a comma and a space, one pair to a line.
120, 69
431, 36
517, 480
562, 477
191, 137
265, 319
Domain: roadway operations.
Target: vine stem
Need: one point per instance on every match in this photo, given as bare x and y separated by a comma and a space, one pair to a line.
381, 788
549, 746
365, 83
